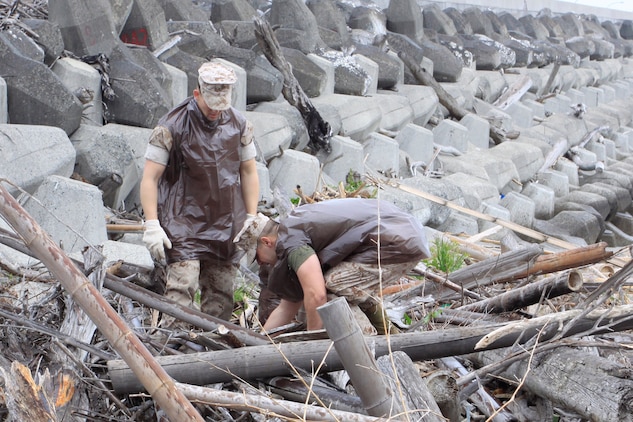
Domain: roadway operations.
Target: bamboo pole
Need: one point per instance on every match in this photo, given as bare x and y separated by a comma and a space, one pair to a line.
357, 359
154, 378
550, 287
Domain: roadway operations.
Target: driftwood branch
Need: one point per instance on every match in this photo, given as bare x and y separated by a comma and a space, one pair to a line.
446, 99
85, 294
319, 130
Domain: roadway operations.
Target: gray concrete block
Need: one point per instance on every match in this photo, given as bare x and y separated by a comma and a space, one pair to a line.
478, 130
479, 189
598, 148
498, 170
86, 28
494, 210
491, 85
417, 142
359, 115
292, 169
564, 126
24, 145
84, 81
328, 70
527, 159
592, 95
458, 223
382, 154
106, 159
310, 76
575, 96
451, 134
557, 104
422, 100
28, 102
372, 69
522, 115
136, 254
555, 180
146, 25
272, 132
396, 111
300, 137
538, 109
414, 204
70, 211
179, 87
598, 202
609, 147
441, 188
346, 156
522, 208
543, 198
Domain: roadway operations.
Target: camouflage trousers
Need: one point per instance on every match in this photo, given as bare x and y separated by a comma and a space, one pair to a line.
362, 283
215, 281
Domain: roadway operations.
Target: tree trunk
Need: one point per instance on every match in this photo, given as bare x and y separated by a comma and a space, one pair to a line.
273, 360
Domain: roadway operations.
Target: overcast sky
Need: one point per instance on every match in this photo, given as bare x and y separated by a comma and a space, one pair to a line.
611, 4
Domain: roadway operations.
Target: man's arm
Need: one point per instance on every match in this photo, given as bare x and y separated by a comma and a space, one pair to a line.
250, 185
314, 292
283, 314
149, 188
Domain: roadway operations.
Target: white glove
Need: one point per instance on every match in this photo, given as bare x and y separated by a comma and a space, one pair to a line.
156, 240
247, 223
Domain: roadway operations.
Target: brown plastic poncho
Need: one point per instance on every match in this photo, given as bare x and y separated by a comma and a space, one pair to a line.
345, 230
200, 202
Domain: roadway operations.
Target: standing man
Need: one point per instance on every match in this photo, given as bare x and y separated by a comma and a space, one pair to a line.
349, 247
199, 190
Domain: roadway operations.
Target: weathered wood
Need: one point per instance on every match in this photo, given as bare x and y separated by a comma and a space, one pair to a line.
319, 130
502, 267
266, 405
357, 358
482, 399
273, 360
184, 313
518, 298
446, 99
409, 387
84, 293
303, 391
594, 387
513, 93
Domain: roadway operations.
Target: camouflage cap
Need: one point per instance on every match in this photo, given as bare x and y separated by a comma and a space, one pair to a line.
216, 81
247, 238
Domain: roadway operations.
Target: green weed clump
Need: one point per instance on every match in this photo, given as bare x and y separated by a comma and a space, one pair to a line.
445, 255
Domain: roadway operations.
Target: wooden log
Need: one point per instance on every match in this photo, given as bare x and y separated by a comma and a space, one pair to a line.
513, 93
547, 288
278, 359
231, 332
266, 405
303, 391
357, 358
594, 387
412, 392
83, 292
